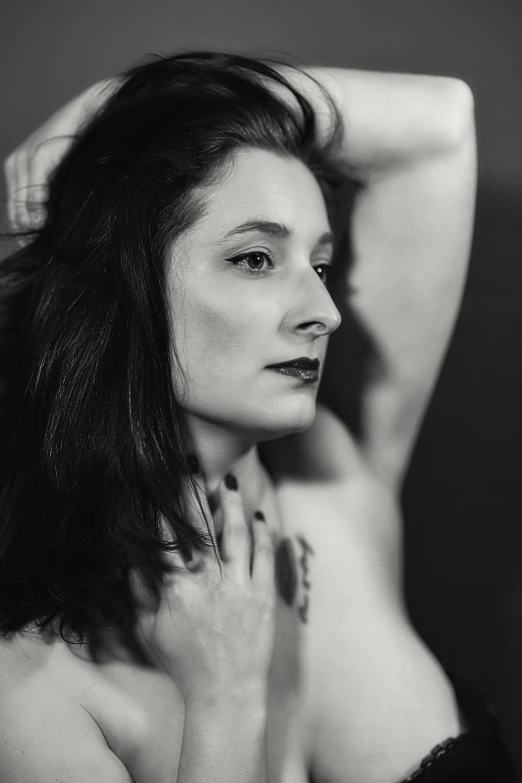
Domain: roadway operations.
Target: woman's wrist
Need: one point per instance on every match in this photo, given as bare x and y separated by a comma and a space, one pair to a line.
227, 743
248, 700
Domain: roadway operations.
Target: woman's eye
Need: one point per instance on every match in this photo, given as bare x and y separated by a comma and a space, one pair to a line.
259, 262
323, 271
252, 262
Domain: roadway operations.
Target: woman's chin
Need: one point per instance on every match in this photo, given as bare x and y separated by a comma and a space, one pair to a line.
264, 421
283, 420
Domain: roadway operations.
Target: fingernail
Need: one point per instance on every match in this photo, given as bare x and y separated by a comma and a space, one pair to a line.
193, 463
259, 515
230, 481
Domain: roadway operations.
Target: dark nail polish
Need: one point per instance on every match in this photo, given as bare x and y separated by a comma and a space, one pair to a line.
230, 481
259, 515
193, 463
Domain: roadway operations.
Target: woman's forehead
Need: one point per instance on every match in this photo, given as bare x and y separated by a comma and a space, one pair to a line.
262, 187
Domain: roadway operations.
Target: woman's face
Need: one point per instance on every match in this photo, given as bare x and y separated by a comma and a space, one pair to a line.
246, 290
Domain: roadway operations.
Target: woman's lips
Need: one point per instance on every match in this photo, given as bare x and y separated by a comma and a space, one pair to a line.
301, 373
303, 368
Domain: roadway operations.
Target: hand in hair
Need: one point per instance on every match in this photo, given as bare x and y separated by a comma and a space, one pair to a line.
28, 167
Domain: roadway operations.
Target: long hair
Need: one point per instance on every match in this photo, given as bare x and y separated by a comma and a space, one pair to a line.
92, 437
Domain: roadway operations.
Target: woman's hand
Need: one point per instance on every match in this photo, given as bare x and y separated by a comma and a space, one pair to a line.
28, 167
214, 635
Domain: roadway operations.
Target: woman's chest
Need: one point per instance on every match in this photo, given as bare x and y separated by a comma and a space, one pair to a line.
354, 693
140, 711
344, 695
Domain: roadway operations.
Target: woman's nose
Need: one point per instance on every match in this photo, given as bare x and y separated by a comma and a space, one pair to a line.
315, 312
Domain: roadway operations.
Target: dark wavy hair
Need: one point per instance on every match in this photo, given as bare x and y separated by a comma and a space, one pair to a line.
92, 437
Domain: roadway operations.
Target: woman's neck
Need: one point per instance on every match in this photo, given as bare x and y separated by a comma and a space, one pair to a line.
219, 452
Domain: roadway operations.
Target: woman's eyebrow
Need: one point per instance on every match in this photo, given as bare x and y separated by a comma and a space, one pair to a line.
273, 229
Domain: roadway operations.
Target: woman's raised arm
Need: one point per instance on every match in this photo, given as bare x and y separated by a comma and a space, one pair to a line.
411, 141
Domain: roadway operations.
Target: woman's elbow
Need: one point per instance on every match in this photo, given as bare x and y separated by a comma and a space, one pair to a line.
457, 114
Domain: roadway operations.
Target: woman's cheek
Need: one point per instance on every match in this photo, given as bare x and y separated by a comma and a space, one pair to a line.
224, 329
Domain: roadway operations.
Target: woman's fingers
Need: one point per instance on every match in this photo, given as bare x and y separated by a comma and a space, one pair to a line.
195, 507
263, 555
25, 192
180, 560
17, 177
173, 557
246, 553
25, 197
27, 171
235, 542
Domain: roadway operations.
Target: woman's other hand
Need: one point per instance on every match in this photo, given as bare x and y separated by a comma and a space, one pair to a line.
28, 167
214, 633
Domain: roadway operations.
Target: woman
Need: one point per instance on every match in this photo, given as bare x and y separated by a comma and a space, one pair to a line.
166, 456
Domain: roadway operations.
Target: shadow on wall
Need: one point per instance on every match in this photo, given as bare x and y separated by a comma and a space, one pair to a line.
352, 354
462, 499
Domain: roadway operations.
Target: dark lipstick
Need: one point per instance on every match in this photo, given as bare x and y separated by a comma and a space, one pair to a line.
302, 368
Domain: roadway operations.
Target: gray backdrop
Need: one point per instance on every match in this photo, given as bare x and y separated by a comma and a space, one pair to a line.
462, 500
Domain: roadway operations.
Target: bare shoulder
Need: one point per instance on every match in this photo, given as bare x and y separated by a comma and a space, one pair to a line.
64, 717
22, 657
46, 737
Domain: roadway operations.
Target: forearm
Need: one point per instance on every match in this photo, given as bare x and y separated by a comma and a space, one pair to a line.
224, 745
390, 119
